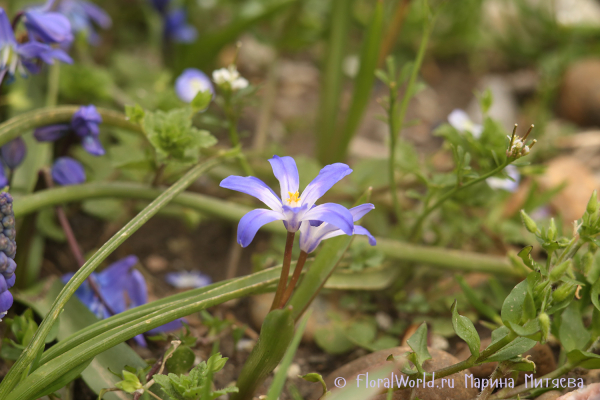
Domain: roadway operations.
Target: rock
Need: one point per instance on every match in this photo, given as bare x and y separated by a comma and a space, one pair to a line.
370, 362
591, 392
580, 182
551, 395
540, 354
579, 99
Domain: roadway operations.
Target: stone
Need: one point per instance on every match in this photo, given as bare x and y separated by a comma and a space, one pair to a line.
579, 99
440, 359
591, 392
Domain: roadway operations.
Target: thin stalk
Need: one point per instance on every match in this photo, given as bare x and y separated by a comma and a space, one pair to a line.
285, 270
29, 354
53, 82
497, 374
266, 108
416, 230
297, 272
158, 175
392, 157
234, 136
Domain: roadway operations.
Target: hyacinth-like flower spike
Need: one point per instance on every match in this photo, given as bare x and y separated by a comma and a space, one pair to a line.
190, 82
14, 152
311, 234
8, 250
292, 207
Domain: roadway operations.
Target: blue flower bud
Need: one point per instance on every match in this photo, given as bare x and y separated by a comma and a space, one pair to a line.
10, 268
49, 27
3, 262
14, 152
67, 171
51, 133
85, 121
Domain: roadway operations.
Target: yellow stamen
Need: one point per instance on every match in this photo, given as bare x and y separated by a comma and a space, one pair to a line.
294, 197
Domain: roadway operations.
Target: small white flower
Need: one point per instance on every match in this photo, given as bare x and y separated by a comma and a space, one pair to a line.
461, 122
229, 78
188, 279
507, 184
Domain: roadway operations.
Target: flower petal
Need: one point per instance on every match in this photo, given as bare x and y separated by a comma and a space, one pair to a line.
137, 289
67, 171
459, 119
333, 214
359, 211
14, 152
50, 133
329, 176
359, 230
92, 145
254, 187
252, 221
286, 172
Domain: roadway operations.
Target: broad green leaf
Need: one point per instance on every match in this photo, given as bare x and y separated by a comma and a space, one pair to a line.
418, 343
572, 333
512, 309
584, 359
362, 332
281, 375
181, 361
201, 100
595, 293
465, 329
63, 380
513, 349
333, 339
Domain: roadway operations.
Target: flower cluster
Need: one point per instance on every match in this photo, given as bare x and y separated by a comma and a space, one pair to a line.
298, 211
518, 146
8, 250
121, 287
84, 123
48, 32
229, 79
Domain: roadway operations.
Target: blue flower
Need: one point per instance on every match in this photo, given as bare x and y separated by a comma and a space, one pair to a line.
14, 152
160, 5
8, 250
292, 208
25, 57
67, 171
85, 123
122, 287
190, 82
177, 29
84, 16
187, 279
48, 26
311, 234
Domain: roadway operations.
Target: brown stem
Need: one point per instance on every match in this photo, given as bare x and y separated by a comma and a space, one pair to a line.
394, 30
149, 375
297, 272
285, 269
73, 244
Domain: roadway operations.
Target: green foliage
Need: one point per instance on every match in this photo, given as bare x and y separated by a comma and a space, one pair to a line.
130, 382
198, 384
181, 361
465, 329
173, 136
418, 343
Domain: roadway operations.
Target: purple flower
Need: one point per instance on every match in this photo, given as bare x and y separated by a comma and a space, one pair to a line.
14, 152
190, 82
177, 29
122, 287
312, 234
84, 16
187, 279
85, 123
26, 57
292, 208
48, 26
8, 250
67, 171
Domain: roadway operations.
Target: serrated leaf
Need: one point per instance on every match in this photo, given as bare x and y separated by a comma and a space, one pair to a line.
418, 343
465, 330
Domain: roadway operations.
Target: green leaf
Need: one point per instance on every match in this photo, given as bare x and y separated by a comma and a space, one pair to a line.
363, 84
362, 332
475, 301
130, 382
333, 338
418, 343
281, 375
63, 380
513, 349
181, 361
595, 293
314, 377
512, 309
572, 333
201, 100
465, 330
135, 113
584, 359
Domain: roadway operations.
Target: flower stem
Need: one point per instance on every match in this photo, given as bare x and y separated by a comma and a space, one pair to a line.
392, 157
416, 230
285, 270
297, 272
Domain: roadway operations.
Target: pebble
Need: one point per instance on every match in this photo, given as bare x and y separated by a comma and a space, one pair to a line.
591, 392
579, 99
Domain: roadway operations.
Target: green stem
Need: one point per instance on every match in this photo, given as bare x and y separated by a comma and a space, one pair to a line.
392, 156
416, 230
53, 82
29, 354
18, 125
455, 260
